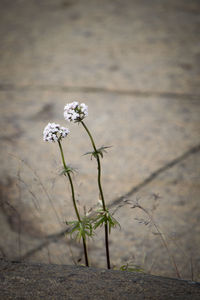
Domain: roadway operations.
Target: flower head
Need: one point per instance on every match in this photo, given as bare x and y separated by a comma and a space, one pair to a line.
75, 112
54, 132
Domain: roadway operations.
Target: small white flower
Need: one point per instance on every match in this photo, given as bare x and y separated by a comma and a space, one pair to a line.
54, 132
75, 112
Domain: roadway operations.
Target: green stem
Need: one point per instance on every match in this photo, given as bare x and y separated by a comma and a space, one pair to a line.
101, 192
74, 201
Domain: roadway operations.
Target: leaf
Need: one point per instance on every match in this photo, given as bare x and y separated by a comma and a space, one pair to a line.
98, 151
67, 170
81, 228
99, 223
131, 268
106, 218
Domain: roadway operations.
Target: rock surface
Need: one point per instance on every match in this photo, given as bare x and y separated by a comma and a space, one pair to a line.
39, 281
136, 65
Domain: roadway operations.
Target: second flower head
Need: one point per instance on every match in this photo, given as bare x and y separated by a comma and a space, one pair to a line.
75, 112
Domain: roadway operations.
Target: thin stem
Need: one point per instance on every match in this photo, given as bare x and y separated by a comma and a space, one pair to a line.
74, 201
99, 165
73, 196
107, 245
101, 192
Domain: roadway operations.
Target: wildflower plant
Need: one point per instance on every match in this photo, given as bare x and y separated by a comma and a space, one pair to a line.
82, 226
75, 112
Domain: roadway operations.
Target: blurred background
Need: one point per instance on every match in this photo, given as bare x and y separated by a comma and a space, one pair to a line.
136, 65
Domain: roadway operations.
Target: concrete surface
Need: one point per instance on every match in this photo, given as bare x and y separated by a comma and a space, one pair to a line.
136, 65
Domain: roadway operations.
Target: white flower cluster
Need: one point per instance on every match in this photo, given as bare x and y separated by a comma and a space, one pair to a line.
75, 112
54, 132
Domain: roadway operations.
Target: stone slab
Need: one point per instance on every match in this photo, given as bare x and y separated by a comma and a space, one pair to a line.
137, 67
39, 281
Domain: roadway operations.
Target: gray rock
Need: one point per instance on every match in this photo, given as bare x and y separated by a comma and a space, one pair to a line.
137, 67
